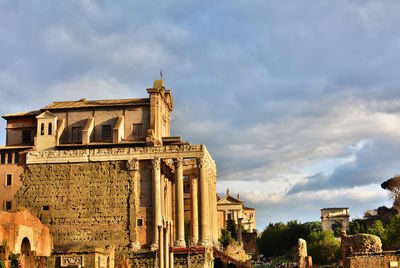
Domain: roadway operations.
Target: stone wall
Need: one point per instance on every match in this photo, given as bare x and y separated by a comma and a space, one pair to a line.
384, 260
83, 203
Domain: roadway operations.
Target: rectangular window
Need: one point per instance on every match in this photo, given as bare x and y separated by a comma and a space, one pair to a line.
16, 158
139, 222
9, 158
106, 133
76, 134
45, 208
9, 180
8, 205
136, 130
26, 136
3, 157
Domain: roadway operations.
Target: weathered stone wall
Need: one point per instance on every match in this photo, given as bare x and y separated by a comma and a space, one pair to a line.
376, 261
250, 243
83, 203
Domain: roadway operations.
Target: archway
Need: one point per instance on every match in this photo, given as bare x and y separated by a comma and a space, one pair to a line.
25, 246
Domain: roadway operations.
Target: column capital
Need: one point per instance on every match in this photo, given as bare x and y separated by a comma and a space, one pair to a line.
178, 162
156, 163
200, 162
132, 164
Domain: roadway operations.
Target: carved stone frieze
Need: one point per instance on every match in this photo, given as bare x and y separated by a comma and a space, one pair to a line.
120, 153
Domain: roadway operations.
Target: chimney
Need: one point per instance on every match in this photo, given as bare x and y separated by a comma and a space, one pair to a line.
238, 196
227, 191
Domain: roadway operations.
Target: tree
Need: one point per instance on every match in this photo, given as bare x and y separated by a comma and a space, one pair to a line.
392, 234
279, 238
323, 247
377, 229
393, 185
225, 238
231, 226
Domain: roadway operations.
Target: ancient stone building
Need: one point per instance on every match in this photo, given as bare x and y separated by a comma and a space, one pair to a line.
107, 174
233, 208
24, 234
332, 218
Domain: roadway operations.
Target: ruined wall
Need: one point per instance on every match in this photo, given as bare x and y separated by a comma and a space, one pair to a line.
83, 203
376, 261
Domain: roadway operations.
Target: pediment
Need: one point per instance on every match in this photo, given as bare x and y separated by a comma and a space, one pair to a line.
229, 200
46, 115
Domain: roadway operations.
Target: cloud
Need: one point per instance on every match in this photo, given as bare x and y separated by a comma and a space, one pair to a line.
296, 97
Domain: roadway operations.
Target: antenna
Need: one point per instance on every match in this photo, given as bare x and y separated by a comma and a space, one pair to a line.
161, 74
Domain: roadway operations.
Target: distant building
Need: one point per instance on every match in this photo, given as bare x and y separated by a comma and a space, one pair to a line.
233, 208
332, 217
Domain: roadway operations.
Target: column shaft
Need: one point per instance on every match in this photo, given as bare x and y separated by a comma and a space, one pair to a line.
133, 167
204, 205
180, 216
156, 200
195, 211
161, 247
166, 246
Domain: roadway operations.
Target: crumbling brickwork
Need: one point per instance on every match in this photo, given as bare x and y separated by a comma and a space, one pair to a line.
81, 202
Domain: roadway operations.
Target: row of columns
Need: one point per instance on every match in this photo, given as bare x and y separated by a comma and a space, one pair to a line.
166, 232
206, 204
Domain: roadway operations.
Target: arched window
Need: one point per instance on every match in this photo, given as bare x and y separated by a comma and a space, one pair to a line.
42, 129
50, 130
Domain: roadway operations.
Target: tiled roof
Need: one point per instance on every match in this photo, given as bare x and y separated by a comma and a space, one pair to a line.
83, 103
32, 113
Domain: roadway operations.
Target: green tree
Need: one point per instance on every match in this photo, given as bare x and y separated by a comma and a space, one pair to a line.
377, 229
323, 247
226, 238
231, 226
279, 238
392, 234
354, 227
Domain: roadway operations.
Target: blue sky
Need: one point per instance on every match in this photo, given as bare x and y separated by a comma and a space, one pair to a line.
298, 101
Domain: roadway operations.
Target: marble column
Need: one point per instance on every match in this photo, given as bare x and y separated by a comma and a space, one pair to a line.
161, 247
133, 169
156, 201
166, 245
179, 199
195, 211
171, 254
204, 204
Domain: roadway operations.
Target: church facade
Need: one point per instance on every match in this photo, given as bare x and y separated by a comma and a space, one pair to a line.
107, 175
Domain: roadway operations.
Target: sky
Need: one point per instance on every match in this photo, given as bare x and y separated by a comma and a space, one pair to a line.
298, 101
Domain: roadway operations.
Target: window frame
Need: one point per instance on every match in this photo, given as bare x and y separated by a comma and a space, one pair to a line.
9, 159
50, 129
42, 129
25, 134
109, 132
7, 205
9, 178
79, 133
